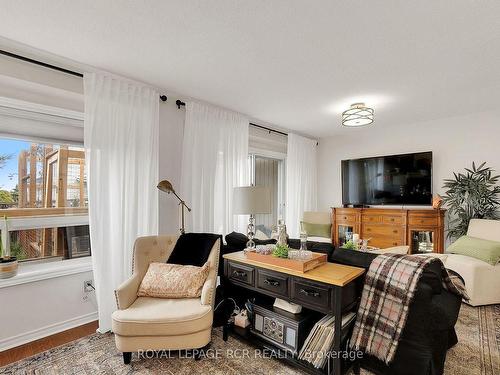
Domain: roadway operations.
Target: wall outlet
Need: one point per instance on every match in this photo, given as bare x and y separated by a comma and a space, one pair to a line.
88, 286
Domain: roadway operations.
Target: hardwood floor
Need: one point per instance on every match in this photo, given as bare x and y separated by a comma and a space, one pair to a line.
49, 342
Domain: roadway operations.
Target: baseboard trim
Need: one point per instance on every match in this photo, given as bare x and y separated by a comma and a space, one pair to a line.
40, 333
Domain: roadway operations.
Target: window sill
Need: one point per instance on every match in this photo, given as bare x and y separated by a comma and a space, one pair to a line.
28, 273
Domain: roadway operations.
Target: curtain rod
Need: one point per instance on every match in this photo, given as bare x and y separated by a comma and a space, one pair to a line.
274, 131
269, 129
163, 98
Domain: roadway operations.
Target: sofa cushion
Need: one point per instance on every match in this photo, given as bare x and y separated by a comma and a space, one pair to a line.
356, 258
162, 317
485, 250
353, 258
239, 241
163, 280
193, 249
316, 230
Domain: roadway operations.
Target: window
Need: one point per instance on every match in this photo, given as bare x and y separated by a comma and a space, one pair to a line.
270, 172
43, 200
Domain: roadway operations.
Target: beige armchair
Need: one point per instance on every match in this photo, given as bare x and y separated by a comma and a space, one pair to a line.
145, 323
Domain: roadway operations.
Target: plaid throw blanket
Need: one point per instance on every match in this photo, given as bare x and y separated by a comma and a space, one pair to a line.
389, 288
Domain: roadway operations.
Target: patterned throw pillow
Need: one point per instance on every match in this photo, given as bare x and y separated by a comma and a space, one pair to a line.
165, 280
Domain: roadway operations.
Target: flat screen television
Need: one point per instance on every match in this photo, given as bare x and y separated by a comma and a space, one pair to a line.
397, 179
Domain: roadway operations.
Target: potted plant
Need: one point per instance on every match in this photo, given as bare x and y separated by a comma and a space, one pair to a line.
471, 195
8, 263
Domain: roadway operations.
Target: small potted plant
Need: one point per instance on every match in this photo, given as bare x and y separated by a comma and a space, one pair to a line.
8, 264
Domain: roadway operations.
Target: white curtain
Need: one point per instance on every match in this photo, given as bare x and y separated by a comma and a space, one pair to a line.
214, 161
121, 150
301, 184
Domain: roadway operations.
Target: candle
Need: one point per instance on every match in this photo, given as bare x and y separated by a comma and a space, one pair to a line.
355, 240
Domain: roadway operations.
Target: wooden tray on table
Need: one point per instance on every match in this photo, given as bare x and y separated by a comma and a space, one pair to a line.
317, 260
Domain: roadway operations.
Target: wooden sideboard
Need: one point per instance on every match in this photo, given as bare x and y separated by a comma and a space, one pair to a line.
421, 229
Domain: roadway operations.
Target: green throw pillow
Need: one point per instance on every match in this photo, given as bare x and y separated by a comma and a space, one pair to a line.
488, 251
316, 230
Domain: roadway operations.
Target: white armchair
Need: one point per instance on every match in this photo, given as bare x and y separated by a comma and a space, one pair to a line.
482, 280
145, 323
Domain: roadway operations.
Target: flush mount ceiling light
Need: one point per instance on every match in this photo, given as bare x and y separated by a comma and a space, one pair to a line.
357, 115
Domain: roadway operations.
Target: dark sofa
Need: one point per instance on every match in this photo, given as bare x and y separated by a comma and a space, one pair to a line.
237, 241
429, 330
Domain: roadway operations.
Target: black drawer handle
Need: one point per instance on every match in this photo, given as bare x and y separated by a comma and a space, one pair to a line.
309, 293
239, 274
271, 282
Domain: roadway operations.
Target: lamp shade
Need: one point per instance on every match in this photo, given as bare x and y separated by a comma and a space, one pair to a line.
251, 200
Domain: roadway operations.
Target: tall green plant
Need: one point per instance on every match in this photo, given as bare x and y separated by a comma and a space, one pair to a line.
471, 195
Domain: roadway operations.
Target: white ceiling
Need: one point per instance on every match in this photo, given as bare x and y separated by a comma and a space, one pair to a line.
295, 64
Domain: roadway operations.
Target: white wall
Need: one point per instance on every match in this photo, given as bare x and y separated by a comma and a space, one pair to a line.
34, 310
41, 308
455, 142
37, 309
171, 134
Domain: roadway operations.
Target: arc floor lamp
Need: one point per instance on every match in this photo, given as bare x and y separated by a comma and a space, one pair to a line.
167, 187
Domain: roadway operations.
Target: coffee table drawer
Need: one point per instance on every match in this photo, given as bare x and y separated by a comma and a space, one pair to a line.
240, 273
274, 282
311, 294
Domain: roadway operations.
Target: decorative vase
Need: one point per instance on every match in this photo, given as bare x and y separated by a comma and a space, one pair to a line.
8, 267
437, 201
282, 235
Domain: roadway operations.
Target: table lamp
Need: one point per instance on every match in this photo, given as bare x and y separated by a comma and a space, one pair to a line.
167, 187
251, 200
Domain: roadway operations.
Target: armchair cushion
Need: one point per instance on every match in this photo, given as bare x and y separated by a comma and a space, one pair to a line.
193, 248
173, 281
162, 317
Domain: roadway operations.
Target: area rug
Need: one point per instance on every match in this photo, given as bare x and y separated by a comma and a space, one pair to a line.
478, 353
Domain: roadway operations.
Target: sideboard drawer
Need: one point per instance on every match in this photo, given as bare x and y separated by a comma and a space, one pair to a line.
311, 294
274, 282
392, 219
371, 219
240, 273
423, 220
345, 218
392, 231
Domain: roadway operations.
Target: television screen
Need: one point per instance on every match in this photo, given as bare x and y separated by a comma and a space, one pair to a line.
396, 179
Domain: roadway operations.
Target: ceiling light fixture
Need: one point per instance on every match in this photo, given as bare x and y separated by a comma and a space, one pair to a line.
357, 115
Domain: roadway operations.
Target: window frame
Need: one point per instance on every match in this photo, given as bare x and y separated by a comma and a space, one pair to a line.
282, 157
72, 122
